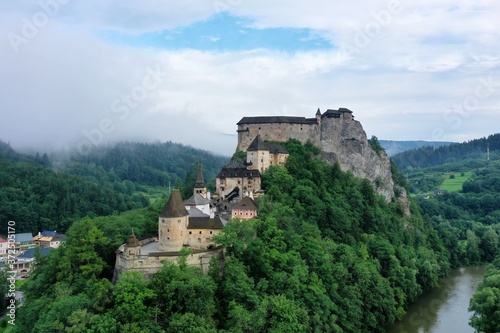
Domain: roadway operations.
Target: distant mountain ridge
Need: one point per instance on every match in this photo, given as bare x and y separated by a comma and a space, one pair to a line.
395, 147
430, 156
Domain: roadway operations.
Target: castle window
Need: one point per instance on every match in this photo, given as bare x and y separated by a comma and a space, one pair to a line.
259, 127
200, 232
190, 232
168, 230
210, 232
162, 221
168, 238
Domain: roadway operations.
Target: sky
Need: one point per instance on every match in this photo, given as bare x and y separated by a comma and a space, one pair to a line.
74, 74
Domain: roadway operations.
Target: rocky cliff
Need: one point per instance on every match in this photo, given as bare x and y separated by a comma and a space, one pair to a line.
346, 142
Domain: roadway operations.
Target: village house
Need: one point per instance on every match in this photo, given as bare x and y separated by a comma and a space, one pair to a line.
48, 238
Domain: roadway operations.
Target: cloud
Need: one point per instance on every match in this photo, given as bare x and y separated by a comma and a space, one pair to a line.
400, 72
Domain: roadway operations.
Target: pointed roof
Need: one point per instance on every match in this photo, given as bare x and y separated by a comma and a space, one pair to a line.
132, 241
318, 113
272, 147
175, 206
257, 144
246, 203
200, 182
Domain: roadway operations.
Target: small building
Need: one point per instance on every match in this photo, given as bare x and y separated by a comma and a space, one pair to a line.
49, 238
26, 260
245, 209
23, 241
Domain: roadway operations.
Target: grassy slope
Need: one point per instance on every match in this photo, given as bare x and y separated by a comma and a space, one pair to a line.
455, 184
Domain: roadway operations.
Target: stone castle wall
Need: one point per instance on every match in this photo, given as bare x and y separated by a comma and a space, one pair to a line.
149, 264
277, 132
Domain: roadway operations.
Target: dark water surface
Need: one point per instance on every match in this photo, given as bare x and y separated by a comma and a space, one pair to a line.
444, 309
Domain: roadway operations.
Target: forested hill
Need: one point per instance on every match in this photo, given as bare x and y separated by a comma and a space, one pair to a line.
40, 193
429, 156
153, 164
326, 254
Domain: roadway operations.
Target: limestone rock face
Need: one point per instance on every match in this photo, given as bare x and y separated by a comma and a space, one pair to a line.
346, 142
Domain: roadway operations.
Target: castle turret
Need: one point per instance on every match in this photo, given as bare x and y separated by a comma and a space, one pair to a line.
133, 247
318, 116
199, 186
173, 223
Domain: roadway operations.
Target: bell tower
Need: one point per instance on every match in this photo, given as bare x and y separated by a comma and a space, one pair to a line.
199, 186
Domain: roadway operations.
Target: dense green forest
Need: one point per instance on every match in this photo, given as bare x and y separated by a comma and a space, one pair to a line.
429, 156
327, 254
486, 301
152, 164
40, 193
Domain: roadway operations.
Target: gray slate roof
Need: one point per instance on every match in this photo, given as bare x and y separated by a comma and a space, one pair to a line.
23, 238
206, 222
276, 119
237, 172
272, 147
196, 200
29, 254
195, 212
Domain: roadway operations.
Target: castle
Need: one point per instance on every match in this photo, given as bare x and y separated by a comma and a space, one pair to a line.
193, 223
258, 137
182, 224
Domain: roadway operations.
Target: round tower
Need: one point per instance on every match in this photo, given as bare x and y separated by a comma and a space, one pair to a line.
172, 224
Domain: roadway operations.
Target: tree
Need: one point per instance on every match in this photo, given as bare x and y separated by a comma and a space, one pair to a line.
486, 304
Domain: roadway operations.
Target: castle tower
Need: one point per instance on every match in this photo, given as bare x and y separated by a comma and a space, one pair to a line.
318, 116
258, 155
172, 224
199, 186
133, 247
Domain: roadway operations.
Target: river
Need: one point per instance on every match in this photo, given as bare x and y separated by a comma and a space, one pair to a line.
444, 309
